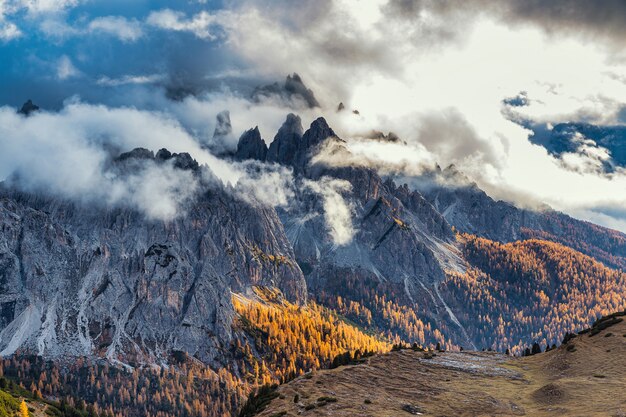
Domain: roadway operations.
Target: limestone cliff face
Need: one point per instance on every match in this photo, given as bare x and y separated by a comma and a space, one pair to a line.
83, 280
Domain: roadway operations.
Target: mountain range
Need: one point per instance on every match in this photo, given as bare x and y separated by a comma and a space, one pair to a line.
355, 260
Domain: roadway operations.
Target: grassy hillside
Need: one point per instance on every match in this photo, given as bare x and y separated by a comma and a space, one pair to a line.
583, 377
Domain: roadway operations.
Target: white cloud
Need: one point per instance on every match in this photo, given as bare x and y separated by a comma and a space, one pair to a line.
44, 6
68, 153
130, 79
202, 24
65, 69
65, 154
9, 31
126, 30
270, 185
337, 213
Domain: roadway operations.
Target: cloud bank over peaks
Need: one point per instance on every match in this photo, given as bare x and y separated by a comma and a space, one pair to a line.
72, 154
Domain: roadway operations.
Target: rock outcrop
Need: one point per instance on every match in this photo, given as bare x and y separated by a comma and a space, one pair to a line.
292, 90
283, 148
251, 146
28, 108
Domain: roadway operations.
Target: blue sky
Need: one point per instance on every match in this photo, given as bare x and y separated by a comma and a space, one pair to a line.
87, 48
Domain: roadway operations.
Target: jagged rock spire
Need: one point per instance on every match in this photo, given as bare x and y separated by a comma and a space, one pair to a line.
283, 149
28, 108
251, 146
223, 127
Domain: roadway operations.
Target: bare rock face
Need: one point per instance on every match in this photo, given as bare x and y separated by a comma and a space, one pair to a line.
107, 282
223, 127
295, 86
292, 90
251, 146
283, 148
290, 146
222, 142
28, 108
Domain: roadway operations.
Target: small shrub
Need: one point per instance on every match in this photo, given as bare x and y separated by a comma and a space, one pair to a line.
367, 401
604, 323
309, 407
568, 337
258, 401
327, 399
296, 398
412, 409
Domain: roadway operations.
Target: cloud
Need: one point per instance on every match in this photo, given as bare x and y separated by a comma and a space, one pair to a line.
34, 9
269, 184
337, 213
130, 79
449, 136
68, 154
43, 6
587, 157
9, 31
124, 29
65, 69
203, 25
388, 158
606, 19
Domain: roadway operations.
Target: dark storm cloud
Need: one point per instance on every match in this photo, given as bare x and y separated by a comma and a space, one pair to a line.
606, 18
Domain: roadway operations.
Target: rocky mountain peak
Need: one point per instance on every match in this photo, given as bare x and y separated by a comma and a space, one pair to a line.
292, 126
251, 146
318, 132
222, 141
181, 160
293, 90
136, 154
295, 86
28, 108
285, 144
311, 140
223, 127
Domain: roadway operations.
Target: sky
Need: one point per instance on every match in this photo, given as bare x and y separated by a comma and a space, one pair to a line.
451, 78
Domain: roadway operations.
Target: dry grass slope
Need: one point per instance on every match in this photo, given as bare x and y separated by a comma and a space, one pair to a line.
584, 378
